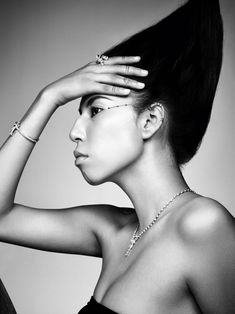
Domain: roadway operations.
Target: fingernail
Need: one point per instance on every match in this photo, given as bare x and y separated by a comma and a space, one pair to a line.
126, 91
145, 72
141, 84
137, 58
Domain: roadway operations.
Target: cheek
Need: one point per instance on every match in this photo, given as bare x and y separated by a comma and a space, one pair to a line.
115, 143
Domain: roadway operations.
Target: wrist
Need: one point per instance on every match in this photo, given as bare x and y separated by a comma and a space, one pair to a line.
48, 96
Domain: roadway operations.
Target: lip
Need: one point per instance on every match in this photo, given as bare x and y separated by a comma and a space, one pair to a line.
78, 154
80, 159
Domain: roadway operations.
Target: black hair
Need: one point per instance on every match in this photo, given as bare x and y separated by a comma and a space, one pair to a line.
183, 54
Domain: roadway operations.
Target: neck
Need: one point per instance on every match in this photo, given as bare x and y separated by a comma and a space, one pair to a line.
151, 183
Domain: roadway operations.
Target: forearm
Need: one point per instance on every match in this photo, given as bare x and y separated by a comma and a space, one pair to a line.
16, 150
90, 79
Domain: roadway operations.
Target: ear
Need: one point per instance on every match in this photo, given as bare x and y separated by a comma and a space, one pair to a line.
151, 120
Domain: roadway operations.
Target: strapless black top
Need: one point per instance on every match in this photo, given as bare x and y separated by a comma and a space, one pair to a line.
6, 305
94, 307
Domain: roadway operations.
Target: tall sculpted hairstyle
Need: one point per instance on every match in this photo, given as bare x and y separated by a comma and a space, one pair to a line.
183, 54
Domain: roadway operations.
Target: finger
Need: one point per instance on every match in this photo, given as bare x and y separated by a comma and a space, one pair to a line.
119, 80
111, 90
123, 60
121, 69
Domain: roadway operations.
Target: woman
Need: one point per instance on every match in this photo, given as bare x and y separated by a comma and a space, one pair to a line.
167, 254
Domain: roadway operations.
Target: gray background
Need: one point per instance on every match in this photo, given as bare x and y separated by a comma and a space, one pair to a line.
42, 41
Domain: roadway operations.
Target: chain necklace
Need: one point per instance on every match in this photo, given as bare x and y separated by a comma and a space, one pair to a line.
136, 237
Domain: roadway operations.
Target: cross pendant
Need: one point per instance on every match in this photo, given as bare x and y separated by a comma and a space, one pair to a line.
133, 241
132, 244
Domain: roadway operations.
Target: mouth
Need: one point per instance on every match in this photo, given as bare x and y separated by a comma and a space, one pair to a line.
80, 159
78, 154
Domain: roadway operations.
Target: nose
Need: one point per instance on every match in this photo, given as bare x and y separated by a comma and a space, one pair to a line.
78, 131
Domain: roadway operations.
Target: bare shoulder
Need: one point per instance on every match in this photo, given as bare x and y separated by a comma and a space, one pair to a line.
205, 219
112, 218
108, 221
206, 239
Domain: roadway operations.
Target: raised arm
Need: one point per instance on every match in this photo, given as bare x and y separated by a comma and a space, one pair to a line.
57, 230
16, 150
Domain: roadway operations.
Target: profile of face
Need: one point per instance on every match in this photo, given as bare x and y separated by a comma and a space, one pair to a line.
107, 131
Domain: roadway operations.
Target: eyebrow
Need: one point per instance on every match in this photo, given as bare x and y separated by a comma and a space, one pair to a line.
90, 100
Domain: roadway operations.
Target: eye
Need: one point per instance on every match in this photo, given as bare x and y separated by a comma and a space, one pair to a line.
94, 110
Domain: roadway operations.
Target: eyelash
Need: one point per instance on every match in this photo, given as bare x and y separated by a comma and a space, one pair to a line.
95, 108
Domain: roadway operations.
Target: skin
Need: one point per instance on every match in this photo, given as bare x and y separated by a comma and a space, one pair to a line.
127, 147
134, 153
191, 247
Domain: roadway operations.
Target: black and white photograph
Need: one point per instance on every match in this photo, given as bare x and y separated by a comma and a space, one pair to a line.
117, 176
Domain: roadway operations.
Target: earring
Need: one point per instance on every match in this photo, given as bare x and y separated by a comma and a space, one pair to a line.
157, 104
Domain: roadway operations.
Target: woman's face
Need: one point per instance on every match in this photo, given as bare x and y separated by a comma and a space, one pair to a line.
110, 137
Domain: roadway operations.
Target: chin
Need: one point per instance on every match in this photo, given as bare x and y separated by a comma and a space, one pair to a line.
99, 175
109, 168
94, 178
